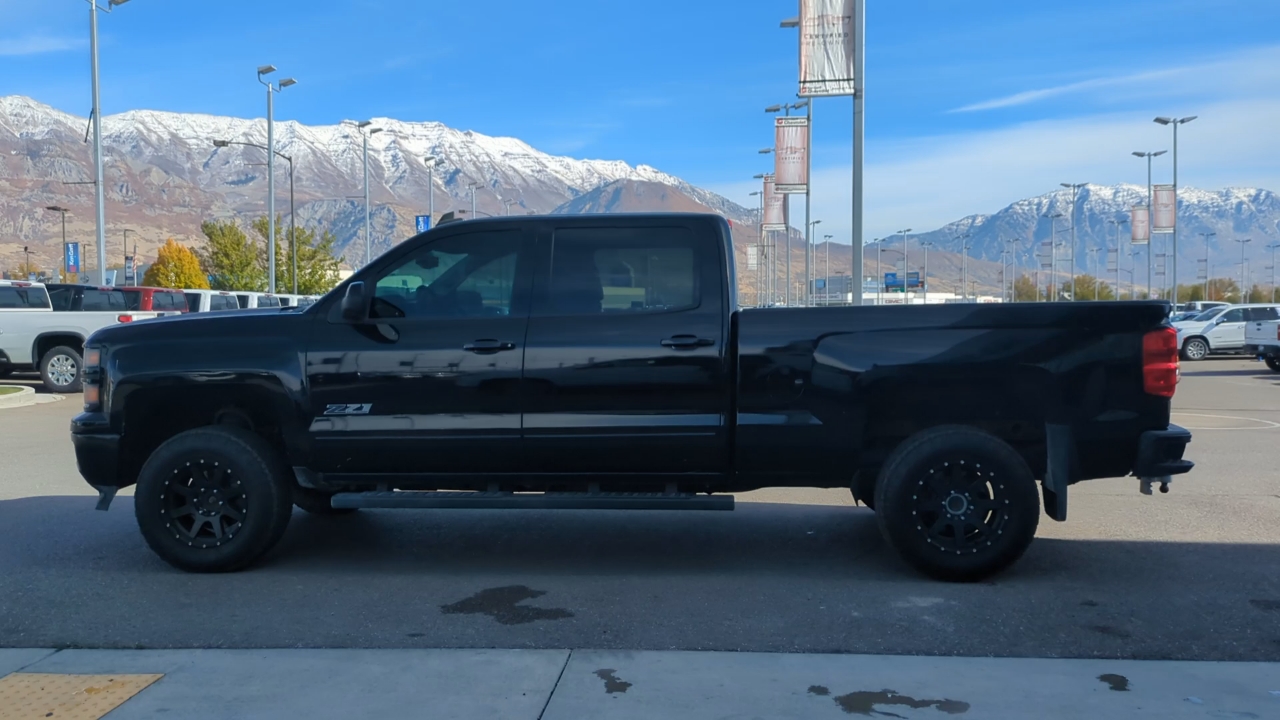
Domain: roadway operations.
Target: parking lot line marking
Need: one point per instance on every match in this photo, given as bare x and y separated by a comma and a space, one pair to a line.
1262, 424
36, 696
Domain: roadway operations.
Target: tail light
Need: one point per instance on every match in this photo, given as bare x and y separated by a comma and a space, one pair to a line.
1160, 362
1278, 332
91, 374
124, 318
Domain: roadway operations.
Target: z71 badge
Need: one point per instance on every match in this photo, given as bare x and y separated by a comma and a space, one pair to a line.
348, 409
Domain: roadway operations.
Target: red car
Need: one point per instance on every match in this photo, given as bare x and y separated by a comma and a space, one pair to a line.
154, 299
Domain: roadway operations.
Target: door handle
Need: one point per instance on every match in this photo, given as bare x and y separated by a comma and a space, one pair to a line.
488, 346
686, 342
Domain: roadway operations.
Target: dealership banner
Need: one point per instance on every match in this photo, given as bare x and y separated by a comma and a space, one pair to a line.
791, 155
1166, 214
1140, 224
775, 207
827, 52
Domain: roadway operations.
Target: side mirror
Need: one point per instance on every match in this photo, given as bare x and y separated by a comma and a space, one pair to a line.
355, 304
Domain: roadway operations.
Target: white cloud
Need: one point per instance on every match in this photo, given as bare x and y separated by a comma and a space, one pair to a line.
1031, 96
37, 44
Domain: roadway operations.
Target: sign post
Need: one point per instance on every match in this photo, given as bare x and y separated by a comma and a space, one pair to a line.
422, 223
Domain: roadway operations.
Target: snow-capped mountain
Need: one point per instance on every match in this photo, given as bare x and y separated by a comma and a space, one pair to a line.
1230, 215
164, 175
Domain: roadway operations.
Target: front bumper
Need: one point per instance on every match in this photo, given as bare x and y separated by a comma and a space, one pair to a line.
97, 450
1160, 453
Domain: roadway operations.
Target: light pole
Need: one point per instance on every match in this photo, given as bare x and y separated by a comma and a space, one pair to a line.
65, 270
1243, 242
879, 275
508, 204
770, 267
924, 277
826, 273
1097, 272
1074, 188
964, 261
430, 162
1150, 209
760, 261
128, 277
271, 170
1272, 247
1116, 226
100, 198
1053, 256
1175, 122
367, 132
905, 266
293, 228
809, 249
472, 187
1206, 237
787, 261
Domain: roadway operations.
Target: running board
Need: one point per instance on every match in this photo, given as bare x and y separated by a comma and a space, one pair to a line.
413, 499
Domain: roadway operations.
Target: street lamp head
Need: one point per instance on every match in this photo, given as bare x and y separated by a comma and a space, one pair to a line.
1158, 153
374, 131
759, 176
1185, 120
57, 208
790, 22
116, 3
364, 124
757, 192
815, 222
266, 69
1164, 120
766, 151
1139, 154
801, 104
773, 109
221, 143
287, 82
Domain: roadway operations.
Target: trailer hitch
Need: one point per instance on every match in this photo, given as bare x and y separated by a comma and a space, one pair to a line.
1144, 483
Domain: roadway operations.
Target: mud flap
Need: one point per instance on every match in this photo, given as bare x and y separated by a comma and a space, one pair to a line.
1060, 450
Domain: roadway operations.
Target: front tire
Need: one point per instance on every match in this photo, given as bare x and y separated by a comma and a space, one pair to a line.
957, 503
60, 370
213, 499
1195, 349
1274, 364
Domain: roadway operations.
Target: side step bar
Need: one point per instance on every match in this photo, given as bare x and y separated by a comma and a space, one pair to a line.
413, 499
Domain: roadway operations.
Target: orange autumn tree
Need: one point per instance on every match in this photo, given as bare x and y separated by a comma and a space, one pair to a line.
176, 266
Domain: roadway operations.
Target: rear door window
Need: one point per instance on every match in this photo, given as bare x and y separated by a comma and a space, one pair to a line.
609, 271
193, 302
132, 299
96, 300
268, 301
15, 298
61, 298
223, 302
1261, 314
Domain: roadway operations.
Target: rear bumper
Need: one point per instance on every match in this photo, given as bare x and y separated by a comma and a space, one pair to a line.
1160, 453
97, 452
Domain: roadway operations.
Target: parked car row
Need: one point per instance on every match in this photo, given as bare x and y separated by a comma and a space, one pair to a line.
43, 327
1235, 329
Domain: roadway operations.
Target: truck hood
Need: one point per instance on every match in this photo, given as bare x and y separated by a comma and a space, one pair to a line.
211, 327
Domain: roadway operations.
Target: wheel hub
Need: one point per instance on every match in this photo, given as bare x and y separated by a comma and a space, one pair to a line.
960, 506
62, 370
203, 505
956, 504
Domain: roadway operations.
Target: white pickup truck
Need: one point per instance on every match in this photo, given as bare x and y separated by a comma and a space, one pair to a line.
43, 327
1262, 340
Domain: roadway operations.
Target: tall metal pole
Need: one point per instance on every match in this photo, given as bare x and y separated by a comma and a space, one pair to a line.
788, 278
1243, 291
1175, 214
826, 272
808, 195
879, 275
66, 270
100, 198
473, 202
271, 193
431, 192
293, 230
860, 80
1151, 221
368, 242
924, 277
1273, 247
905, 266
1206, 237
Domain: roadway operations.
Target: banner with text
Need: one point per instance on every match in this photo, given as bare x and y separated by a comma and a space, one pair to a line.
1166, 214
775, 207
72, 259
753, 257
791, 155
827, 51
1140, 224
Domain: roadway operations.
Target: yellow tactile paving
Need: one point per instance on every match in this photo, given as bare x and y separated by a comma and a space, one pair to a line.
54, 696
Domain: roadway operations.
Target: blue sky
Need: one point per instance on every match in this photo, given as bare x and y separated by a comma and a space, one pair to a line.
971, 105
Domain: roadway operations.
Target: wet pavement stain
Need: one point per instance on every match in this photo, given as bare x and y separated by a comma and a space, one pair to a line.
864, 702
501, 604
1089, 603
1119, 683
1266, 605
611, 682
1111, 631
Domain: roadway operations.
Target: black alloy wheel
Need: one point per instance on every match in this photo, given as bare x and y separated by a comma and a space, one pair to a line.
1273, 363
213, 499
957, 503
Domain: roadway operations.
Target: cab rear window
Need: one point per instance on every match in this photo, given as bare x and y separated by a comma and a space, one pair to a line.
15, 298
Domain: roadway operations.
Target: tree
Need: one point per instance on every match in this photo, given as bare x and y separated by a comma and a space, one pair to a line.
1223, 289
176, 266
1086, 287
25, 269
1191, 293
317, 266
1257, 294
230, 258
1024, 290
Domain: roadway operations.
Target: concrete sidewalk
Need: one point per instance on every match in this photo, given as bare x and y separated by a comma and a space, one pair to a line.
591, 685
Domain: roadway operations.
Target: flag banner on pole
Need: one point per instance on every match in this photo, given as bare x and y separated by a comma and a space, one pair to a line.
1202, 270
73, 257
1140, 226
1166, 215
775, 215
827, 51
791, 155
753, 257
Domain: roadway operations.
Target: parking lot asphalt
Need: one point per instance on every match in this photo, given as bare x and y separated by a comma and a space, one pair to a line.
1192, 575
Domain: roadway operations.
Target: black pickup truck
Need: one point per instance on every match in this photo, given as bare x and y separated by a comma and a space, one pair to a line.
575, 362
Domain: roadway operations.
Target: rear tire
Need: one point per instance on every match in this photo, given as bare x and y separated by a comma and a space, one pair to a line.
5, 372
1273, 363
957, 503
317, 502
60, 369
213, 499
1195, 349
